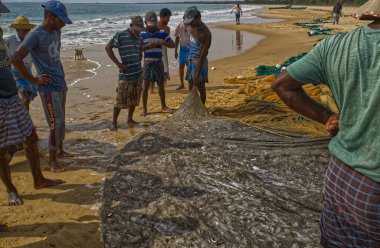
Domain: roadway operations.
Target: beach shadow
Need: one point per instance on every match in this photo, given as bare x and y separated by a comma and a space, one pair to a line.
223, 87
148, 144
140, 190
59, 234
71, 193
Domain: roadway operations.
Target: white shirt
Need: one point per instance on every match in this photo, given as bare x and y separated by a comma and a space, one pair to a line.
13, 43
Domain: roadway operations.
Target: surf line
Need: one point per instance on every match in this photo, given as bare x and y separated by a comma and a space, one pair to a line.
93, 71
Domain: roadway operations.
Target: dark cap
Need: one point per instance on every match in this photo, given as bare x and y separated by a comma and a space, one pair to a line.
3, 8
190, 14
137, 23
59, 9
151, 16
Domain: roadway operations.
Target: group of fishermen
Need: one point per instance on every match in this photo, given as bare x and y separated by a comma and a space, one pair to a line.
349, 63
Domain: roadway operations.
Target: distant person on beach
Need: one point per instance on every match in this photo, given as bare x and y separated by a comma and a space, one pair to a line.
154, 39
129, 45
162, 24
337, 12
238, 13
349, 64
44, 44
182, 38
16, 127
26, 90
200, 42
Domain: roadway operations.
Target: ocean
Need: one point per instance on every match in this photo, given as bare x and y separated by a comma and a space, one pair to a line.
96, 23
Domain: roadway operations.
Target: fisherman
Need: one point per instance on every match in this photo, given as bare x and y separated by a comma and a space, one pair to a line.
16, 127
337, 12
200, 42
349, 64
44, 44
153, 72
26, 90
182, 38
238, 13
129, 88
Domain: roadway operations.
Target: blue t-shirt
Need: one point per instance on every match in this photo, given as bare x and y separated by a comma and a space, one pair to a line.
155, 53
45, 49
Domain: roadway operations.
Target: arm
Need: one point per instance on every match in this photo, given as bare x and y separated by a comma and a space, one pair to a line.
205, 45
176, 47
112, 56
293, 95
18, 62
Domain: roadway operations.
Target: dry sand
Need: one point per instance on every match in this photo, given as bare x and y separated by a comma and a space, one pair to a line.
66, 215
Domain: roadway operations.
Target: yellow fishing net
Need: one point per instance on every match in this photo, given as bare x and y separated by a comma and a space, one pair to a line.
263, 108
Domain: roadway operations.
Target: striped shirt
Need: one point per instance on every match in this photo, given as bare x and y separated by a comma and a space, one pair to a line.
154, 54
129, 47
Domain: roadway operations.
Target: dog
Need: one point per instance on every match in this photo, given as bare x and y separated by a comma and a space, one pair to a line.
78, 54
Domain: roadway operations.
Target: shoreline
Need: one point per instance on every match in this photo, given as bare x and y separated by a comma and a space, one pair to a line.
51, 215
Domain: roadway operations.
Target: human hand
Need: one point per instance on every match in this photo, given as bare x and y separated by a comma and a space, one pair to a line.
332, 124
121, 66
42, 79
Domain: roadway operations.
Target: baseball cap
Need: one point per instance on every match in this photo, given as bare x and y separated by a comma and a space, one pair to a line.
138, 23
3, 8
190, 14
151, 16
57, 8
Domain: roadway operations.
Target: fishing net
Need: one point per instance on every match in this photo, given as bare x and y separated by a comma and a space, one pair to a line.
199, 181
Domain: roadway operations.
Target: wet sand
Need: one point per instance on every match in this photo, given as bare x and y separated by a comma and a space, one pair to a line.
67, 214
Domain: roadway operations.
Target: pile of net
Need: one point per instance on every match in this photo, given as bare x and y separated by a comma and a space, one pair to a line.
263, 108
315, 27
199, 181
263, 70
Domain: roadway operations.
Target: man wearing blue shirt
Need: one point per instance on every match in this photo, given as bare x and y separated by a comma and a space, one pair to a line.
154, 39
44, 44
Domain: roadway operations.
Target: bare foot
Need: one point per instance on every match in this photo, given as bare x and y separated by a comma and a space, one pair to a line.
55, 167
113, 127
3, 227
166, 110
144, 113
46, 182
132, 123
64, 154
14, 199
180, 87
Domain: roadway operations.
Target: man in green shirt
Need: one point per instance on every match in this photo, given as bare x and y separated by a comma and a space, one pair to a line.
349, 64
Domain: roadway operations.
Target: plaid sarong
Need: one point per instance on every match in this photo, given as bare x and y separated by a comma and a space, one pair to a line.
351, 214
192, 70
128, 93
15, 122
154, 72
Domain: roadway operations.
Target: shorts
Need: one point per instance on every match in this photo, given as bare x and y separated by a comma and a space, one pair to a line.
183, 54
128, 93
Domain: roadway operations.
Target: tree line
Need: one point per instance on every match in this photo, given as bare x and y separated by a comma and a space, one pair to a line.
308, 2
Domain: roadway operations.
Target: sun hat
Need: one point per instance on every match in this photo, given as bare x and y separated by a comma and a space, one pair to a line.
138, 23
368, 11
151, 16
3, 8
190, 14
59, 9
22, 22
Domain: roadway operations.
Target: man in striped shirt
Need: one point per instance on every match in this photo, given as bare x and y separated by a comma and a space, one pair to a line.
129, 44
154, 39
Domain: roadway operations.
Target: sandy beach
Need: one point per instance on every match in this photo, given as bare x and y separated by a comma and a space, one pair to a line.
67, 214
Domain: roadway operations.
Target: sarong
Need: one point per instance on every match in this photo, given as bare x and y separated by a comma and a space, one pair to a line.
15, 122
351, 213
154, 72
128, 93
192, 70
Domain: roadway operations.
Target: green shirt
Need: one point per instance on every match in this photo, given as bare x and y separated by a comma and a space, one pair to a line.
129, 47
349, 64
